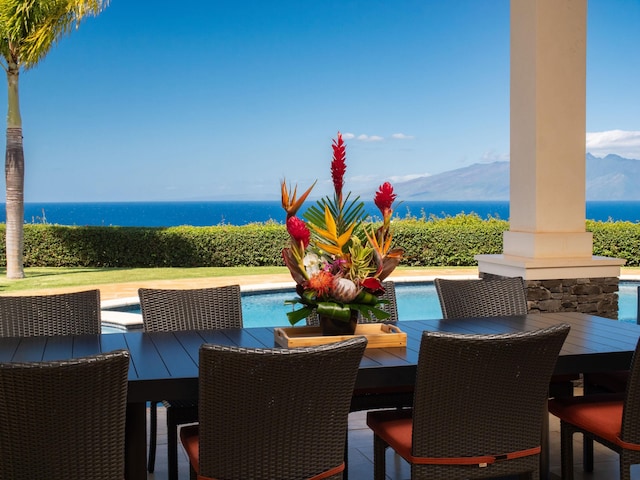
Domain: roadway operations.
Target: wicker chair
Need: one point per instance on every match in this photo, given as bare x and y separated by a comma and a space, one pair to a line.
609, 419
64, 420
477, 407
282, 413
492, 298
191, 309
604, 382
481, 298
367, 400
47, 315
391, 308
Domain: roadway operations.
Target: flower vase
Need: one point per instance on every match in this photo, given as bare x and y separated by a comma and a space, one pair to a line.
332, 326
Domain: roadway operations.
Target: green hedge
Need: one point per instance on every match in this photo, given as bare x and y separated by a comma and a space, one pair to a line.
434, 241
449, 241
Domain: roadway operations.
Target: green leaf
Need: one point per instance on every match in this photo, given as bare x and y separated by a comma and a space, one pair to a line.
367, 298
296, 315
352, 212
368, 310
334, 310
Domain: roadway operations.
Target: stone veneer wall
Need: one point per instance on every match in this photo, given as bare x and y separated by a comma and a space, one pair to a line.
596, 296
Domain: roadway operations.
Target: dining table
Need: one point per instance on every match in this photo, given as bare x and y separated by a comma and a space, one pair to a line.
164, 365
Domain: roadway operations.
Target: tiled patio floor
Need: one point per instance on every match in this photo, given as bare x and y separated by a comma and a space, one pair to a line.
361, 455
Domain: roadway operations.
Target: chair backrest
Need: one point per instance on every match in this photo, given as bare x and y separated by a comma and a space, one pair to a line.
391, 308
479, 395
481, 298
74, 313
630, 431
64, 420
282, 412
191, 309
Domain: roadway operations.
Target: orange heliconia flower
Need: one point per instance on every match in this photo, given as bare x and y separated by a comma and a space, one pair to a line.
321, 282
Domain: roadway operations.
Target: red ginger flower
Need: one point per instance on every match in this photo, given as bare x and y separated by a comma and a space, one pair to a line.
338, 166
299, 231
384, 199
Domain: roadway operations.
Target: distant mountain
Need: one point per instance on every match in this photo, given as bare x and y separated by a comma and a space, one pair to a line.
480, 181
608, 178
612, 178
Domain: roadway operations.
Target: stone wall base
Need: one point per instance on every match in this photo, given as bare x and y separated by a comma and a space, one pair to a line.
595, 296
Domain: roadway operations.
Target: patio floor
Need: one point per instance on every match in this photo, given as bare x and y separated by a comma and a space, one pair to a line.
361, 455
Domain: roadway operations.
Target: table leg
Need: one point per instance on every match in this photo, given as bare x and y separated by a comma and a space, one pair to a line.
136, 442
544, 444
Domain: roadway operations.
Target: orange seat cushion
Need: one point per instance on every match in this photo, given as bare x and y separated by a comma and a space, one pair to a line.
190, 438
602, 417
395, 427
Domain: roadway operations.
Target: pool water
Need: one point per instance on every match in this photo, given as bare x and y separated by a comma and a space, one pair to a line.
628, 302
415, 301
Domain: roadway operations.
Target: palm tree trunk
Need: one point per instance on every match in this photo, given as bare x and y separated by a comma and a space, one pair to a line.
14, 176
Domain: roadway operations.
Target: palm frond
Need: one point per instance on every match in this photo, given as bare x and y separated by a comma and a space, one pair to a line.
352, 212
30, 28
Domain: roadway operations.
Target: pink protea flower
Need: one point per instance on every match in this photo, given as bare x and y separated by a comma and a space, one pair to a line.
344, 290
338, 165
299, 231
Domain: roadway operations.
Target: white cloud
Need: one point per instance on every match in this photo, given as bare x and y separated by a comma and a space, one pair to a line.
363, 137
402, 136
406, 178
493, 156
363, 179
619, 142
369, 138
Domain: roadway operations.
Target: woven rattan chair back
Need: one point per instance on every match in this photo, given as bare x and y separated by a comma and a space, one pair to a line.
282, 412
64, 420
630, 431
391, 308
192, 309
482, 395
481, 298
74, 313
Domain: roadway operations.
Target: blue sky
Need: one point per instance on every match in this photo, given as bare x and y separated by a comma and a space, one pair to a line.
221, 100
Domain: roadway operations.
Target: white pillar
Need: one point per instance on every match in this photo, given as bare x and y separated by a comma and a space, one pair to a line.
547, 237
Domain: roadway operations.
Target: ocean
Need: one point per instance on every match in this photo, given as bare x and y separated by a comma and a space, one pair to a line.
167, 214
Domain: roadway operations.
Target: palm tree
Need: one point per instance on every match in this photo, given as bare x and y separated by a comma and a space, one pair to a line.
28, 30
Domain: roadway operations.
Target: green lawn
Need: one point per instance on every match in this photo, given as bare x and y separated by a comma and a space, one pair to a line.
52, 277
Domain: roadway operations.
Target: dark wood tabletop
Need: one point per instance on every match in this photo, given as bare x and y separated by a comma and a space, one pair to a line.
164, 365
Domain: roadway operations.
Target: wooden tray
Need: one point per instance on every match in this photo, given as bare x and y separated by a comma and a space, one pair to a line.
379, 335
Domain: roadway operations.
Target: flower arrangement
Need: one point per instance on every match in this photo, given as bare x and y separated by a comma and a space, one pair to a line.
336, 259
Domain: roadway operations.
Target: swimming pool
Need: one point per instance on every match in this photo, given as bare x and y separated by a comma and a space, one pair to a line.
415, 301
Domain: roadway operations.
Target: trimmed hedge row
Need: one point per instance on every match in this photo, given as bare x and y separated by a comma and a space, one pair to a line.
448, 241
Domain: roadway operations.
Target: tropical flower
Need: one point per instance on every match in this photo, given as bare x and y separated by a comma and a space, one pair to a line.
337, 259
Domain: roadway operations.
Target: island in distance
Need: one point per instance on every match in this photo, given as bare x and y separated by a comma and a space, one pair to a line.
608, 178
